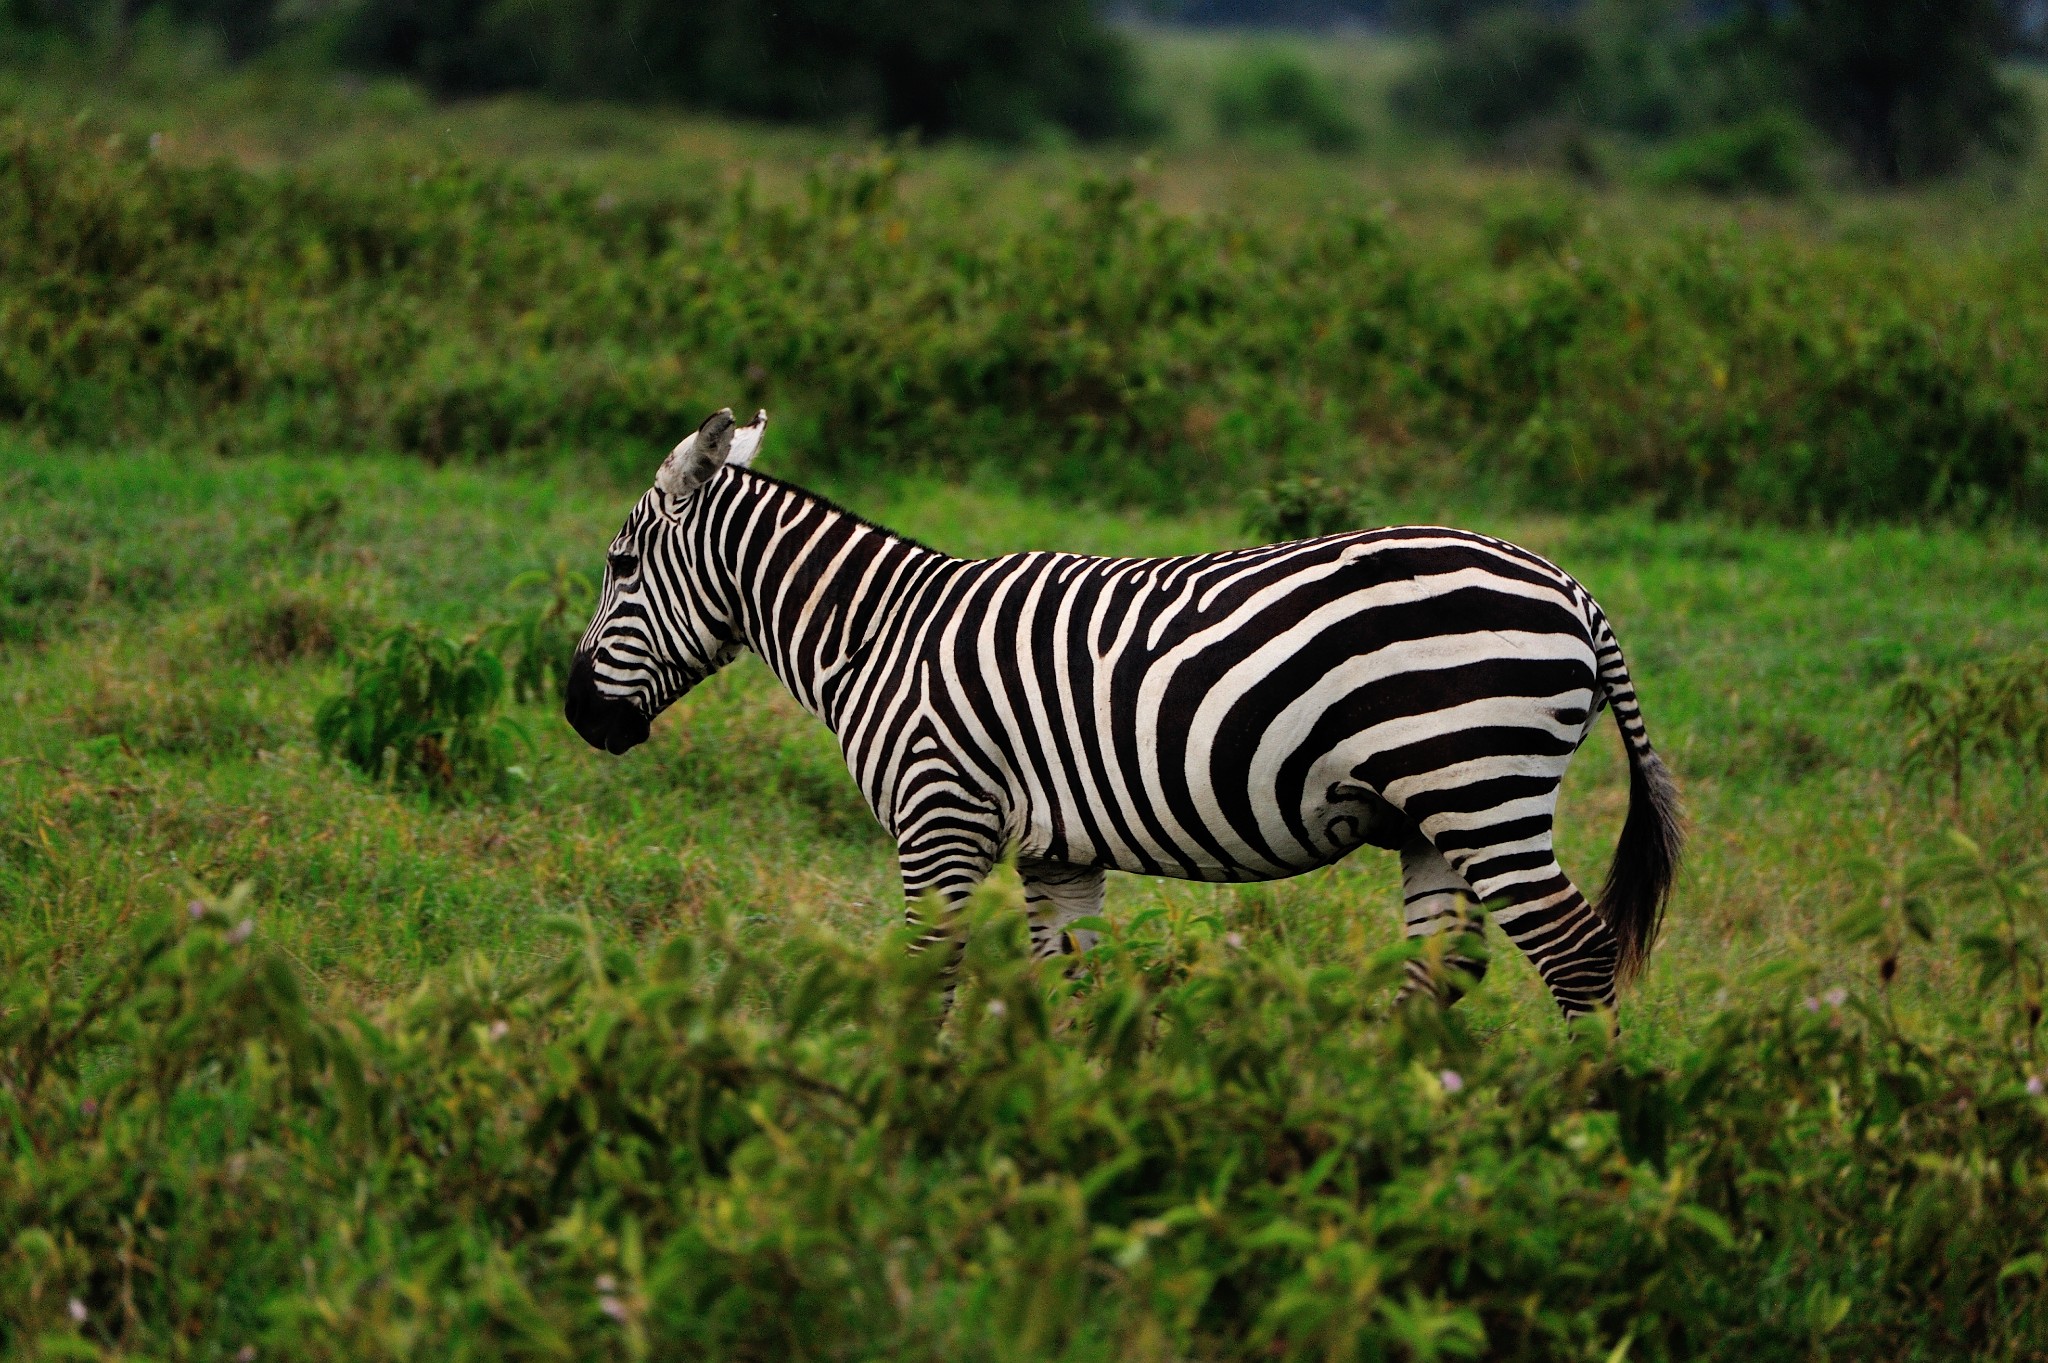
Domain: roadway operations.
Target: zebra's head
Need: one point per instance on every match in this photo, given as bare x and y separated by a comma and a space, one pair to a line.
657, 631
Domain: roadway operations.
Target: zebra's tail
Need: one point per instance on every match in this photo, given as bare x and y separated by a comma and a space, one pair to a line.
1653, 837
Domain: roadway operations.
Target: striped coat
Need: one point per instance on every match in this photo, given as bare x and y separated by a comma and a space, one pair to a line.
1229, 717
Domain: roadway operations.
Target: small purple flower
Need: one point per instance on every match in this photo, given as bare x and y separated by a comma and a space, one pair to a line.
246, 1354
1812, 1004
1836, 997
242, 931
196, 909
1234, 940
498, 1029
77, 1309
1452, 1081
2034, 1085
90, 1107
612, 1307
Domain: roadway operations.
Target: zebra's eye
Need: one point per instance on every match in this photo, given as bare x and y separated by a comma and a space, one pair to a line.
625, 565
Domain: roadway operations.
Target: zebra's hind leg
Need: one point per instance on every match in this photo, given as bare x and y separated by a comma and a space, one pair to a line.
1436, 902
1055, 894
1536, 904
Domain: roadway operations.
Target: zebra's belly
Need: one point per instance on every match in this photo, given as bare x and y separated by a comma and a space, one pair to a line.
1345, 817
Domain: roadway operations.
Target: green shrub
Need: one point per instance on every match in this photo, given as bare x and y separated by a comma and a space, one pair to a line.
1303, 506
1093, 346
421, 710
1762, 155
759, 1145
315, 518
1275, 95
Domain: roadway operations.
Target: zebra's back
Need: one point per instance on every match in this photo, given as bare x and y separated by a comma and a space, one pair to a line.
1235, 716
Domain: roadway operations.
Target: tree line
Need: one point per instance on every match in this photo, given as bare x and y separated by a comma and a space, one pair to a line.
1003, 70
1905, 89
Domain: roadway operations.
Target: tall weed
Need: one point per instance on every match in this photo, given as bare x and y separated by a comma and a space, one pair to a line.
1995, 711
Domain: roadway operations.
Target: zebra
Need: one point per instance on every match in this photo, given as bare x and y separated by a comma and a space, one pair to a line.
1232, 717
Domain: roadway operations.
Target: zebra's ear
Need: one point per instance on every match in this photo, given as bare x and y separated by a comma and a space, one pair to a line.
690, 464
746, 441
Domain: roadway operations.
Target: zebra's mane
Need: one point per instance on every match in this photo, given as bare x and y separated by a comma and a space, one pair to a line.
830, 505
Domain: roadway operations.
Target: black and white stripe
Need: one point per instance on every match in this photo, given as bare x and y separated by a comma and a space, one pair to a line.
1229, 717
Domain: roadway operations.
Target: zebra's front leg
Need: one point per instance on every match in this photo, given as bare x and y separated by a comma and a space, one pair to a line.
940, 870
1055, 894
1435, 901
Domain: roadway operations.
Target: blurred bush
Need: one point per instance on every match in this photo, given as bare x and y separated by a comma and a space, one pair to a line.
1907, 89
1094, 345
1505, 68
1303, 506
1541, 224
1760, 155
1268, 94
290, 625
1007, 70
1910, 90
758, 1144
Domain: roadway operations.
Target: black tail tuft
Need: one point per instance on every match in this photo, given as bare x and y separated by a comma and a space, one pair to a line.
1646, 859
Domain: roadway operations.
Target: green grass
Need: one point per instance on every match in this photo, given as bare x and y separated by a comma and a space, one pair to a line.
145, 751
171, 619
411, 1114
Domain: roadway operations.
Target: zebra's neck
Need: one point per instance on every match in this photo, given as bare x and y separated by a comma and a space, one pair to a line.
811, 585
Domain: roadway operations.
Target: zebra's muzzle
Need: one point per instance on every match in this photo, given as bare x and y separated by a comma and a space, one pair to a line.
610, 724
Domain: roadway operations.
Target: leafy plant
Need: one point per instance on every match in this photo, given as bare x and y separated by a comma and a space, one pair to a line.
1274, 94
1991, 711
747, 1145
539, 641
1302, 506
421, 709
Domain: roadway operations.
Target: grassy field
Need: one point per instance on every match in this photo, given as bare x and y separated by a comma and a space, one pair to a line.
170, 619
626, 1061
147, 750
